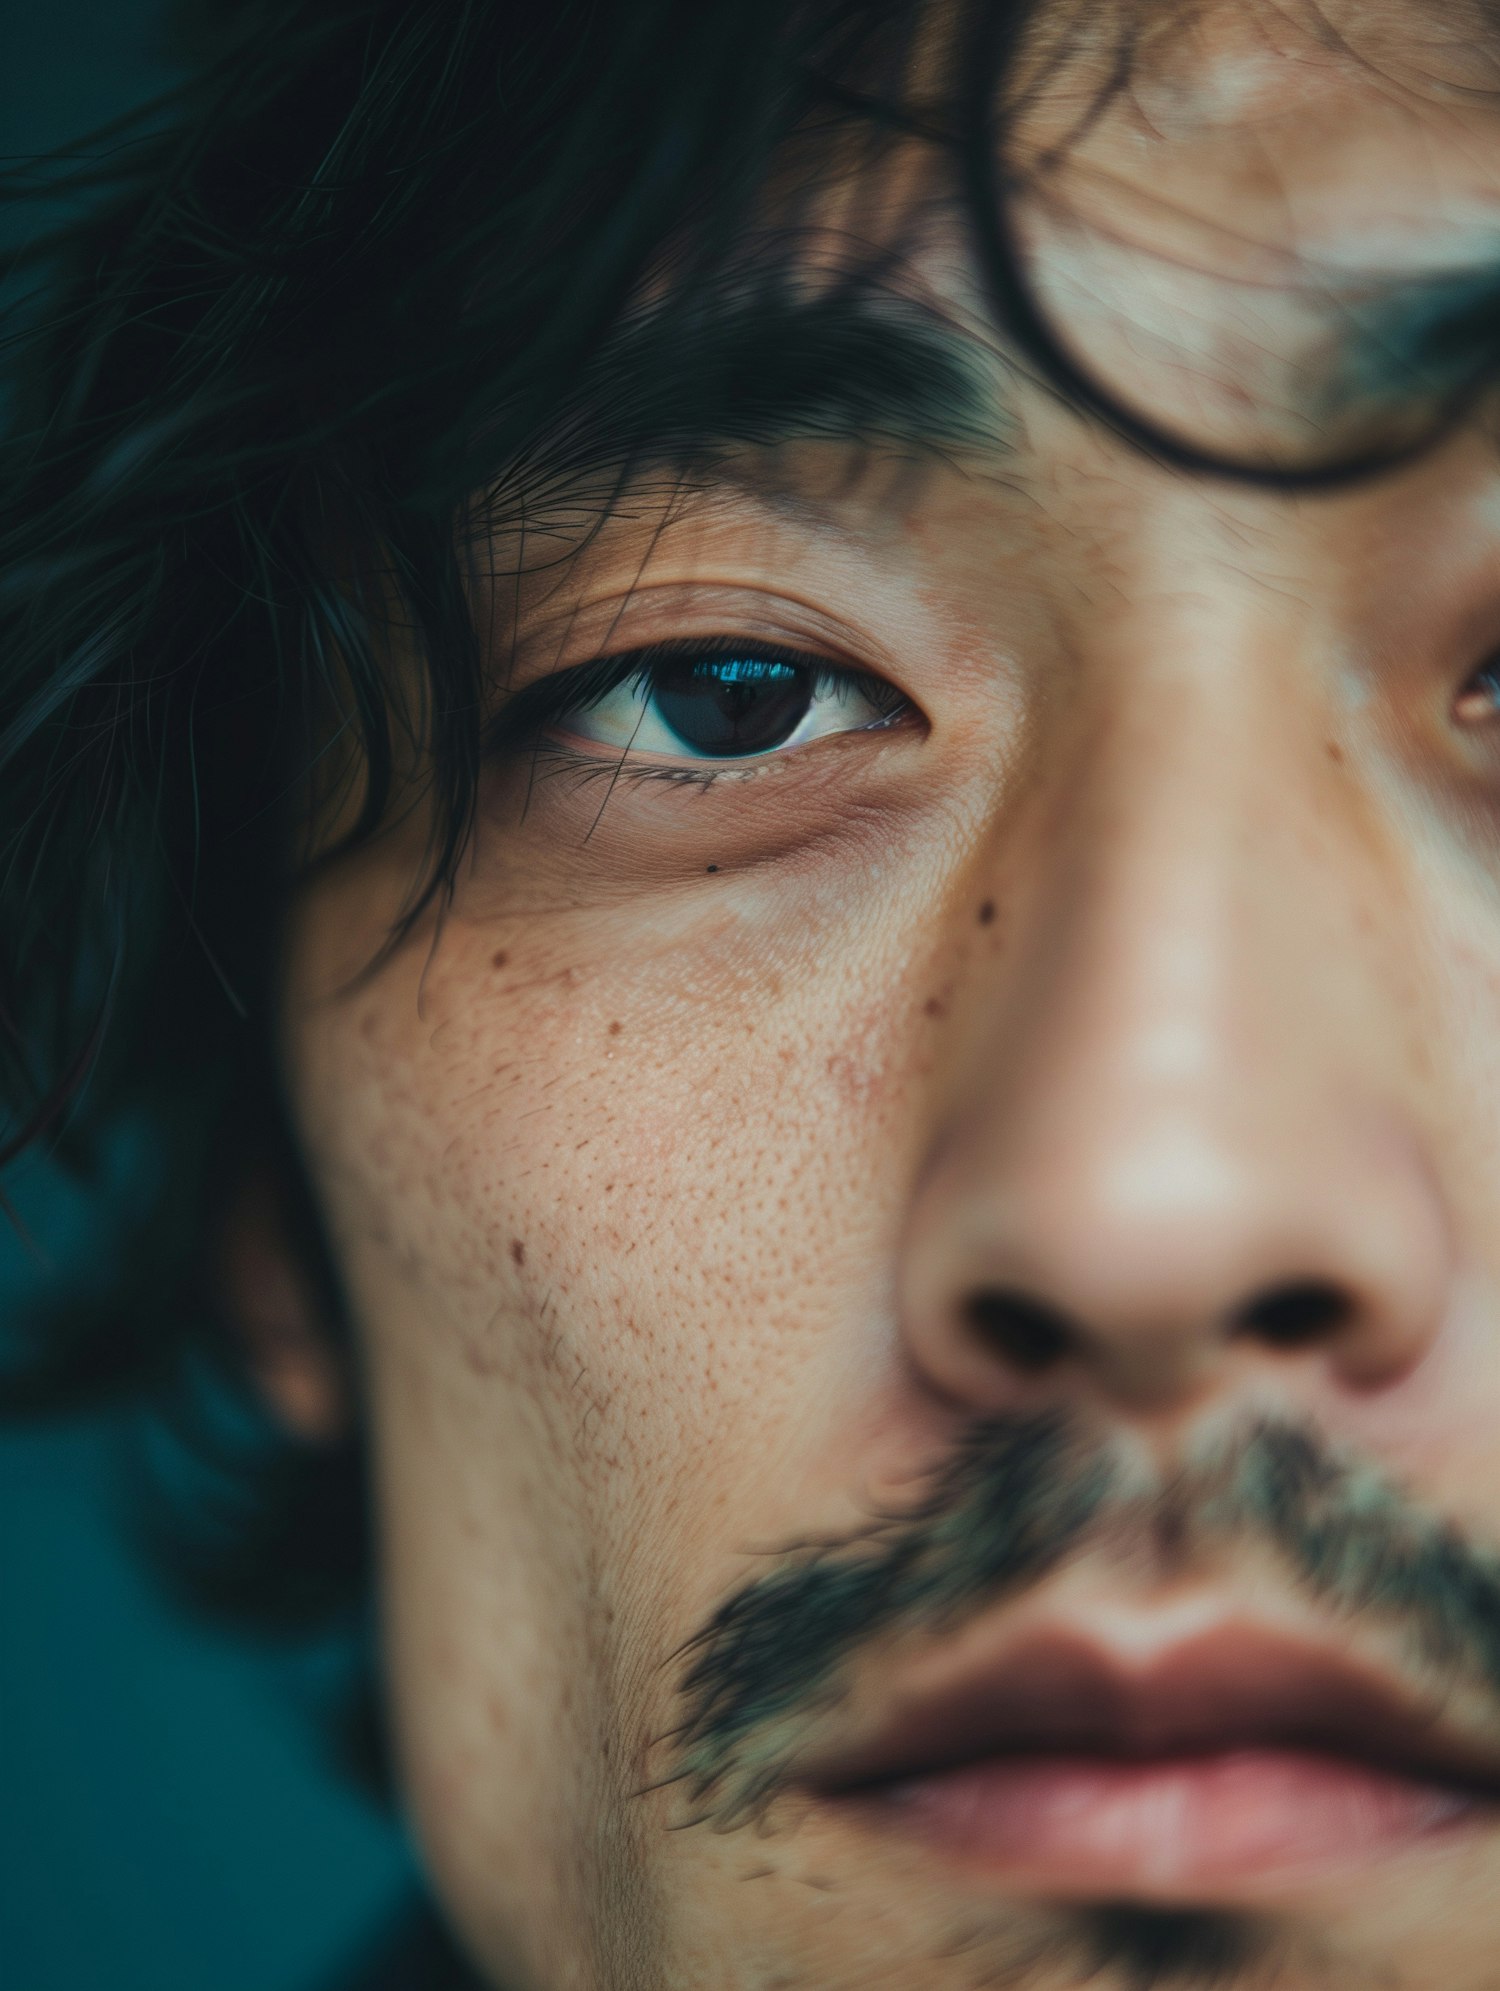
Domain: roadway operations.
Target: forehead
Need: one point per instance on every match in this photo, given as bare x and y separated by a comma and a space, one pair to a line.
1331, 126
1269, 222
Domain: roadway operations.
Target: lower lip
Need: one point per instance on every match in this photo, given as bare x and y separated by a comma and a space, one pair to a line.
1174, 1826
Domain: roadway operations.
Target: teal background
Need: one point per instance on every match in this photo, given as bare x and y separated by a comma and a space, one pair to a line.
165, 1822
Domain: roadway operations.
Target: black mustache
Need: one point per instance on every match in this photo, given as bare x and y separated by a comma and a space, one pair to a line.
1021, 1497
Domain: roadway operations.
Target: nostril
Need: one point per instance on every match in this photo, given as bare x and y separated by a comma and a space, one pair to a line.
1027, 1333
1295, 1316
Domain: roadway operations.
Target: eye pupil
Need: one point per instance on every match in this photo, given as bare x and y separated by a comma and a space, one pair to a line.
728, 706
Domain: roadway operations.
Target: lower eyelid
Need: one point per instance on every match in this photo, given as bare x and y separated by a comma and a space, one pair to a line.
586, 759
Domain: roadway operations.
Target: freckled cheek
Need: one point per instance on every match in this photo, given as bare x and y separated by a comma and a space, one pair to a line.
633, 1077
577, 1141
869, 1065
612, 1126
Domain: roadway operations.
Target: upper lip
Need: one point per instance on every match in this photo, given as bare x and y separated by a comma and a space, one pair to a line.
1238, 1686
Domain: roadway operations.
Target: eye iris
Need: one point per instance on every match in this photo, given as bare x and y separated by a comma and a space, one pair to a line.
726, 706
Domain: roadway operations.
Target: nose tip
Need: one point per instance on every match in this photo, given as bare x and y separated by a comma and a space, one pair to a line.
1307, 1256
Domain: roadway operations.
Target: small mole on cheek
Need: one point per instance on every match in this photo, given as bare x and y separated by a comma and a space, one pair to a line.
518, 1251
933, 1007
614, 1029
499, 959
987, 913
1335, 753
712, 867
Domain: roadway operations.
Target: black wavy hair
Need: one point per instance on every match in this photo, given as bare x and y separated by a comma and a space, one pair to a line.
306, 315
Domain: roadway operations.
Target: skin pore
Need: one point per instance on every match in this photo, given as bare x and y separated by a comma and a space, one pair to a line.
1081, 1032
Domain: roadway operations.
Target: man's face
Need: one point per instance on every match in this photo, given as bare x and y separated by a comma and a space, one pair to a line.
925, 1229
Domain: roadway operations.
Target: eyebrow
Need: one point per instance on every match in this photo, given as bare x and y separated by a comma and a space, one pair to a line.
682, 385
677, 386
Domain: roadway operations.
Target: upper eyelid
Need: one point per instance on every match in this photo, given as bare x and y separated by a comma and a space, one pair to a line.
702, 609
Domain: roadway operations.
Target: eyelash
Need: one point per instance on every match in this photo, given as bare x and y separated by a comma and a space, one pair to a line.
522, 723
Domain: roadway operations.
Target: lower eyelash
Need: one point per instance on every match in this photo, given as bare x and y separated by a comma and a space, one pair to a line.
571, 763
618, 765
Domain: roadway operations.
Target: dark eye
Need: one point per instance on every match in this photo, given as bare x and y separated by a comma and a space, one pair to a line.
727, 706
720, 701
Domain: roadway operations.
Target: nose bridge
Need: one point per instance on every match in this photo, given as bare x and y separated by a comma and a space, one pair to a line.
1178, 1110
1189, 860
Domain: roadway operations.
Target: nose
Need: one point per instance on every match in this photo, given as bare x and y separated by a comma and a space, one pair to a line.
1180, 1140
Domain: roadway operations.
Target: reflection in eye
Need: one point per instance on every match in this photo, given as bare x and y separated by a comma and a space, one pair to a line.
718, 700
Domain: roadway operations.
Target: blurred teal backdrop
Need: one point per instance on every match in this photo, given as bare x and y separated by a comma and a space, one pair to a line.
165, 1824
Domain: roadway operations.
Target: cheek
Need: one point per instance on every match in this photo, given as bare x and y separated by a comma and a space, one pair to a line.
606, 1220
648, 1165
631, 1183
616, 1212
